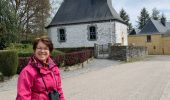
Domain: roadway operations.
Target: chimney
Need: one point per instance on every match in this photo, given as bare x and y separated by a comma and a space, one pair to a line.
163, 21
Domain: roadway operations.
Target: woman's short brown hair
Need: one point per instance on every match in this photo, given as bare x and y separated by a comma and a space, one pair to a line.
45, 40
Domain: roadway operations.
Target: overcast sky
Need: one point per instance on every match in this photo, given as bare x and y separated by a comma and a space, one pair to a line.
133, 7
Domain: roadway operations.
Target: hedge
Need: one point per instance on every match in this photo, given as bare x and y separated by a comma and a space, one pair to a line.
25, 54
29, 54
67, 59
8, 62
23, 61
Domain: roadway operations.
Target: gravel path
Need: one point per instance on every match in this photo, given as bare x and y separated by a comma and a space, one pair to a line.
102, 79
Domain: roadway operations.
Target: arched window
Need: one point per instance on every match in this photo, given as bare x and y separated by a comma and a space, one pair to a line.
92, 33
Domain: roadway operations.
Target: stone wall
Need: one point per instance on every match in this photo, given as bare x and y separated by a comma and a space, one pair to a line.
127, 53
77, 35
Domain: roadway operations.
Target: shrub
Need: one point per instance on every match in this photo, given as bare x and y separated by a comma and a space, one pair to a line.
56, 52
23, 61
30, 53
61, 60
25, 54
26, 41
8, 62
19, 47
2, 43
72, 58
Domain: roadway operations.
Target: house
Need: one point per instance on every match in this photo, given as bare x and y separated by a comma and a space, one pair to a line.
134, 31
155, 35
81, 23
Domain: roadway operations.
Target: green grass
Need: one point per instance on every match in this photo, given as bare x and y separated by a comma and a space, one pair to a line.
26, 50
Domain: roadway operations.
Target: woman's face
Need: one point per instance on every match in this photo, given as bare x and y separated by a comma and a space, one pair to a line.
42, 51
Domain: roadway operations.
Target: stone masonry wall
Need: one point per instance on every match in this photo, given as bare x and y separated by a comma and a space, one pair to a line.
127, 53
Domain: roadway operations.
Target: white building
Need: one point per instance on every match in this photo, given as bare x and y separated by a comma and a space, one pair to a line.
81, 23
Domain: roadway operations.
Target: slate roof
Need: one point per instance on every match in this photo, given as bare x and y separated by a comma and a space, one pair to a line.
83, 11
155, 26
168, 25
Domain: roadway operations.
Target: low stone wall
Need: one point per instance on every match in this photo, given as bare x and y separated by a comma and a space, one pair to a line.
127, 53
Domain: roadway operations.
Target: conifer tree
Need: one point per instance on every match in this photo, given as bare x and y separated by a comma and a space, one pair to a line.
143, 18
125, 18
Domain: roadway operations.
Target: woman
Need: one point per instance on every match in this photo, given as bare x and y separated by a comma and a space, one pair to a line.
41, 76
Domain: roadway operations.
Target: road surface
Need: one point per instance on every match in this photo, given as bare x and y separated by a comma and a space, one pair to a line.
148, 79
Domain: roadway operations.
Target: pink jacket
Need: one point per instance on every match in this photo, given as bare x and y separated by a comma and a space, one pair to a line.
30, 84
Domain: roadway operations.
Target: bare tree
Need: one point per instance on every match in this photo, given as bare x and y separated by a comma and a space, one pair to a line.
155, 14
32, 15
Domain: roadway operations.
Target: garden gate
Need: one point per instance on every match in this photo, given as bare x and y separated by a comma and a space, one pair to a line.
101, 51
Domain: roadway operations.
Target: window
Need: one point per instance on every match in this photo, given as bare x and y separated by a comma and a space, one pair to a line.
61, 35
148, 38
92, 33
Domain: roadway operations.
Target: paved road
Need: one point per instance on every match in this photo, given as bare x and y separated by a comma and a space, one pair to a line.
142, 80
8, 88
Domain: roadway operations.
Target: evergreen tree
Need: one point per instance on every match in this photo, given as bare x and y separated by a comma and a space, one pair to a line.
163, 16
124, 15
143, 18
163, 19
130, 28
155, 14
8, 24
125, 18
